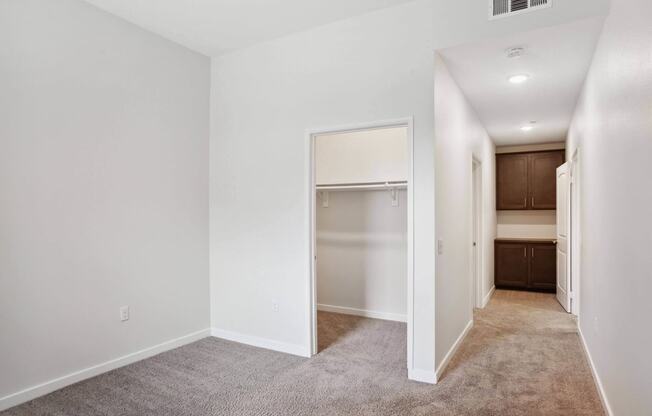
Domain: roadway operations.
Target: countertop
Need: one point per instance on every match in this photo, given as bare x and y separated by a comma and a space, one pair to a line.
532, 240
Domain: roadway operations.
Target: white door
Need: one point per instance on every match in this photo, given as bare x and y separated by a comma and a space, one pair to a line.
563, 210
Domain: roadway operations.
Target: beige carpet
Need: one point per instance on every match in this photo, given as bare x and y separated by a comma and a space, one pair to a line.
523, 357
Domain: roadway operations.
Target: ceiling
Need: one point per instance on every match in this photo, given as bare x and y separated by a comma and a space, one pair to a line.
556, 59
213, 27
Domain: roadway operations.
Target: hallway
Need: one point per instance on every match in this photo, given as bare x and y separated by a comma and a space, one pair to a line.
523, 357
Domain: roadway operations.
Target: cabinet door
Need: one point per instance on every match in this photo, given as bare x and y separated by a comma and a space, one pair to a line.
512, 181
543, 179
511, 265
543, 266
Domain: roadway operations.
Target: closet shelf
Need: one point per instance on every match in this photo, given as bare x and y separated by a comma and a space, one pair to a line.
363, 186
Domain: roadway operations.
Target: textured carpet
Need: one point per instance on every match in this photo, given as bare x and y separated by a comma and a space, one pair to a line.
523, 357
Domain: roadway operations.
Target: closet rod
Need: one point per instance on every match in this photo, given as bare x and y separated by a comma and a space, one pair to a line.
367, 185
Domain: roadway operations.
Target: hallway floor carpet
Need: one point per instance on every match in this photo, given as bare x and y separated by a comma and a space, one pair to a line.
522, 357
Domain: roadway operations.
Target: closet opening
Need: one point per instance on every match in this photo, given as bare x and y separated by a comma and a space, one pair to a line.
361, 202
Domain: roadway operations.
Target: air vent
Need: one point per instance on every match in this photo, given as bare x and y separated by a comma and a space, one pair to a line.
502, 8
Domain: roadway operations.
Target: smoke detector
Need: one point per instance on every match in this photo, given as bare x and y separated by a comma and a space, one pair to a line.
515, 52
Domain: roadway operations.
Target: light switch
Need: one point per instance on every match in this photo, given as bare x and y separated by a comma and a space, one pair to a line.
124, 313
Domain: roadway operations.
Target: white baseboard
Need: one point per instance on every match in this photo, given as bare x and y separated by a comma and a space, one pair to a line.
388, 316
453, 350
422, 376
72, 378
487, 298
269, 344
596, 377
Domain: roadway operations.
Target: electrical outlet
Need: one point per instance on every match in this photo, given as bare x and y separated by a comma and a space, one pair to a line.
440, 246
275, 306
124, 313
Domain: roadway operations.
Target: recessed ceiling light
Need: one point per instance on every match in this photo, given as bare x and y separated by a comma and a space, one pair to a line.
528, 127
518, 79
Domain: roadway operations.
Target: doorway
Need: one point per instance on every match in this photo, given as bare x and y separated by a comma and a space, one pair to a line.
476, 237
323, 193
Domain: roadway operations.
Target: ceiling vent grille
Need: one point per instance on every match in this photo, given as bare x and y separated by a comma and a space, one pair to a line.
503, 8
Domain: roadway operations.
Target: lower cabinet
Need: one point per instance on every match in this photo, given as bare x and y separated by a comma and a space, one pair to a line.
525, 264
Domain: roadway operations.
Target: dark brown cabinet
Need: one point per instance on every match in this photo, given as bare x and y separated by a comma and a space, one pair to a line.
512, 181
525, 264
543, 266
511, 265
527, 181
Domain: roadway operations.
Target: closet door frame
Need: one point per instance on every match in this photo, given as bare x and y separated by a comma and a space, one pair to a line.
311, 135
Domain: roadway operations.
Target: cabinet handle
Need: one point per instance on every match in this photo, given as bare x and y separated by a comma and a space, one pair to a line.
532, 202
525, 202
532, 251
525, 252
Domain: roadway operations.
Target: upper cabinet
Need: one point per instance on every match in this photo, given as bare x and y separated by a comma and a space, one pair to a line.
527, 180
543, 179
512, 181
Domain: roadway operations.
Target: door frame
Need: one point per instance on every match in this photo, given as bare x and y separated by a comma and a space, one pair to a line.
311, 305
575, 234
477, 252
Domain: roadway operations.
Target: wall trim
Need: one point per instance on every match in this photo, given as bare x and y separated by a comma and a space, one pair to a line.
596, 377
42, 389
388, 316
487, 298
422, 376
453, 350
269, 344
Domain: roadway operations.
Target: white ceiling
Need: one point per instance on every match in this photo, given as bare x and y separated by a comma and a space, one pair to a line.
213, 27
556, 58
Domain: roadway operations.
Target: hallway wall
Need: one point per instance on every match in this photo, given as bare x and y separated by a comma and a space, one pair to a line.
612, 128
459, 136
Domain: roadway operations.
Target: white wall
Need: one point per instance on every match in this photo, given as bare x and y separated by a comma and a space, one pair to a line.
526, 224
362, 253
373, 67
376, 155
104, 190
612, 127
459, 137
